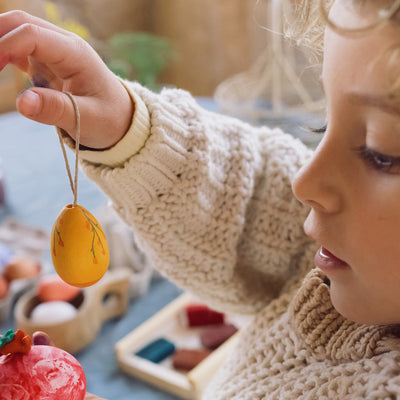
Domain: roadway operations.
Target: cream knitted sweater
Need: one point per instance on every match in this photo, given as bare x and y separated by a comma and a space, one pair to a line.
209, 198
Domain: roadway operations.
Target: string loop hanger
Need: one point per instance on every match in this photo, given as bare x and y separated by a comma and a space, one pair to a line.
73, 182
79, 248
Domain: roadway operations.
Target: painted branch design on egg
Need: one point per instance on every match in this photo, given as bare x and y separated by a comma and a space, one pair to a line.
96, 231
57, 232
90, 224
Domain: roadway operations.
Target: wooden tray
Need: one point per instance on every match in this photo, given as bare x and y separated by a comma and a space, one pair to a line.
166, 323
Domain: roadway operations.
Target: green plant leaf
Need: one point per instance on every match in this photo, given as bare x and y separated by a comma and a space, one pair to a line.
140, 56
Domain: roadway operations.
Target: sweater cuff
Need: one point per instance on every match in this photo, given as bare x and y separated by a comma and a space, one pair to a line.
130, 143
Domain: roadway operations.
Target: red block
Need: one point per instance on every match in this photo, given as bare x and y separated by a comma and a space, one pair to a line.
201, 315
213, 337
187, 359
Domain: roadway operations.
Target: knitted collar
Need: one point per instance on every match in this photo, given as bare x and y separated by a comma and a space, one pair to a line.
328, 334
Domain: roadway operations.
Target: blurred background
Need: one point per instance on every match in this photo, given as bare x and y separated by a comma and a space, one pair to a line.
190, 44
227, 50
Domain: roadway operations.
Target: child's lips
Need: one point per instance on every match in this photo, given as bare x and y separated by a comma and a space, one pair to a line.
325, 260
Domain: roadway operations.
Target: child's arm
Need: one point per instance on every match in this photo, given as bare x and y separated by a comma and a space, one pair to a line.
57, 59
209, 197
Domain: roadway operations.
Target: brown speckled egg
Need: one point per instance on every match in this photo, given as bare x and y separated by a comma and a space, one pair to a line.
53, 288
21, 267
3, 287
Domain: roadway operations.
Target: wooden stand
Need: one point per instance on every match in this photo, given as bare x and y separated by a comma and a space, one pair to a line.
274, 71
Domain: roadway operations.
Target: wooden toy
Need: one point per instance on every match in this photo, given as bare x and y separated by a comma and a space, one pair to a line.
38, 372
166, 324
213, 337
200, 315
187, 359
94, 305
79, 248
157, 351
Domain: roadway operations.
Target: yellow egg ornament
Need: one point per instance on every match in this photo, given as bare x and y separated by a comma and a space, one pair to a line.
79, 248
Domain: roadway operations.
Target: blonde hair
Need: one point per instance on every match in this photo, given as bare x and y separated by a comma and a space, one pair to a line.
309, 18
306, 24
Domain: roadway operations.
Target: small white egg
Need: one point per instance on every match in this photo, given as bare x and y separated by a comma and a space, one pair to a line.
53, 312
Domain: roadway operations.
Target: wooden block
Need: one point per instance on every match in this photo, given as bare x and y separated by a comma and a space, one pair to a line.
213, 337
198, 314
157, 351
187, 359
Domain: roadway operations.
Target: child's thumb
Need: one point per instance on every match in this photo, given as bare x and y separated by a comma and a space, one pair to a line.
47, 106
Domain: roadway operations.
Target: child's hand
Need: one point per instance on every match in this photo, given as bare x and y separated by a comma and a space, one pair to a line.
56, 61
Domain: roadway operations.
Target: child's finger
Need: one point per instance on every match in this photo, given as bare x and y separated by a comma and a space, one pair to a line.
48, 106
41, 339
15, 18
64, 55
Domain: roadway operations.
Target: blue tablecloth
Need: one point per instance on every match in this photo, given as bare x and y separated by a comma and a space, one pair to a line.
37, 188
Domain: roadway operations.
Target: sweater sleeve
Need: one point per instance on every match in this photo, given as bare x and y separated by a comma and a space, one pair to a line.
209, 200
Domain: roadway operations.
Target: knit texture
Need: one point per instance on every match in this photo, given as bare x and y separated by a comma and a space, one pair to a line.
209, 199
309, 351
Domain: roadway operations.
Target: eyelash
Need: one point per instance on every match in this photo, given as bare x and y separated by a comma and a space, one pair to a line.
378, 161
322, 129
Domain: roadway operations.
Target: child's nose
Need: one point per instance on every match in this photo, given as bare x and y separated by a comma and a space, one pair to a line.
318, 183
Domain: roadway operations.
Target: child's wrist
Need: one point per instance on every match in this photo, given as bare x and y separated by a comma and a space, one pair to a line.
124, 119
130, 141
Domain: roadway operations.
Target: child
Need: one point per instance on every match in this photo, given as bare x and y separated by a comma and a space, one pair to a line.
210, 199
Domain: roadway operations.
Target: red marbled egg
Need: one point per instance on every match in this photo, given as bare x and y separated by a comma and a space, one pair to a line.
45, 373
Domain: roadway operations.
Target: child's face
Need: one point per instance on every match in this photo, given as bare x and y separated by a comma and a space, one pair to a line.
353, 182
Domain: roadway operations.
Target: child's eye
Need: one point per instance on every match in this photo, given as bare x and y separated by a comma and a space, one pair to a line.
319, 130
379, 161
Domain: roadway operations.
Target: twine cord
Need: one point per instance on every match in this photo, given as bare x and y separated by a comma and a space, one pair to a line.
73, 183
